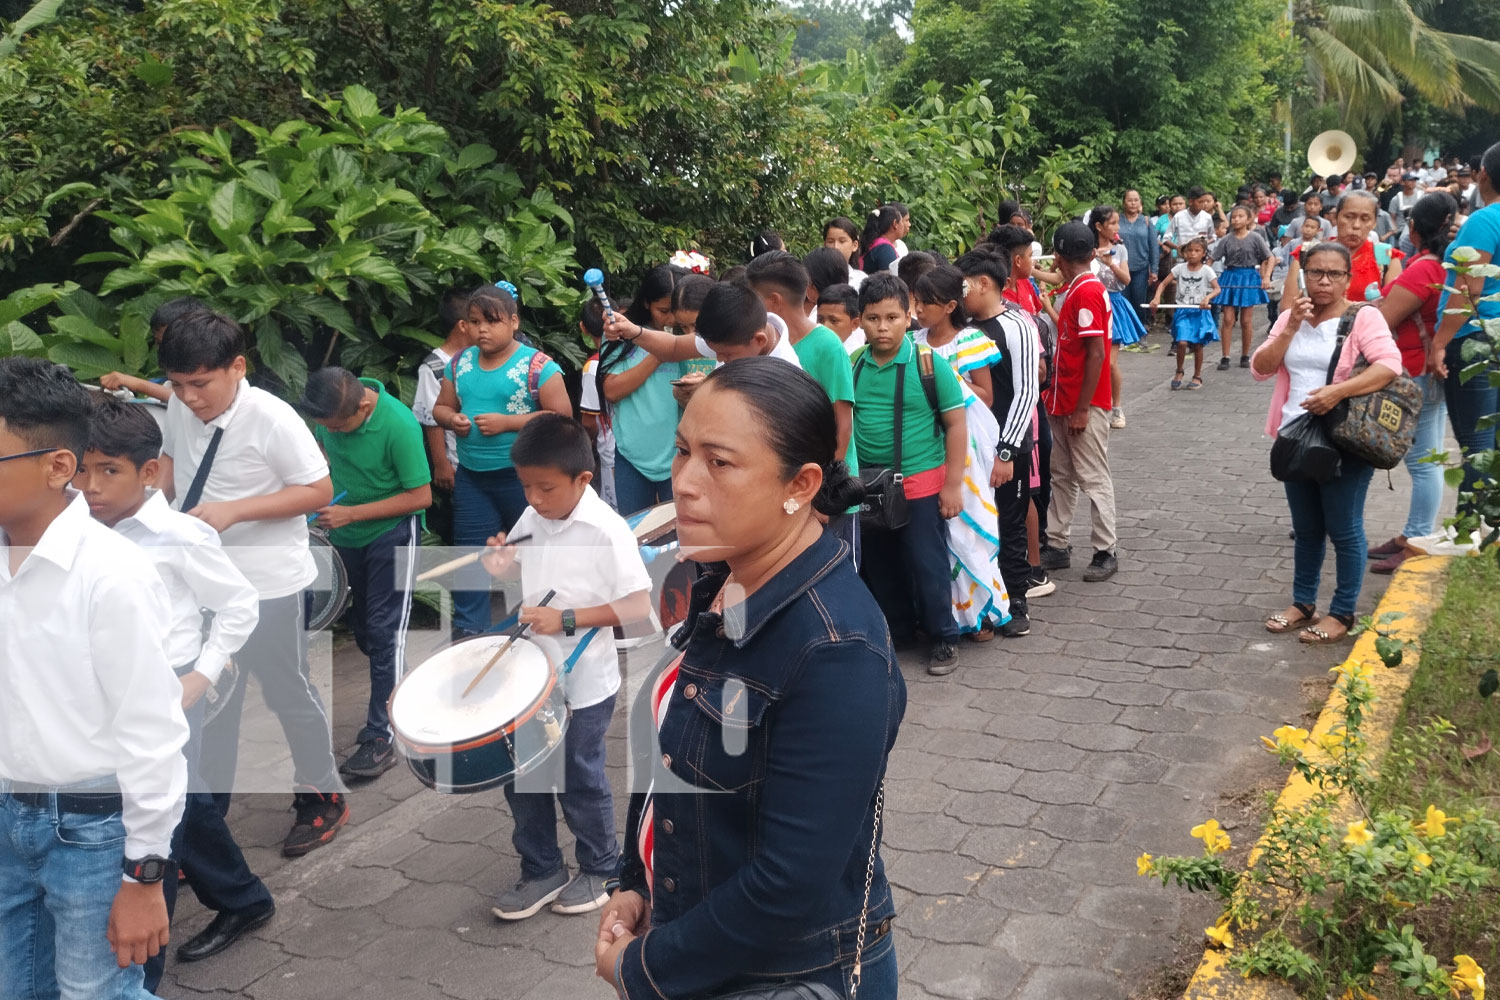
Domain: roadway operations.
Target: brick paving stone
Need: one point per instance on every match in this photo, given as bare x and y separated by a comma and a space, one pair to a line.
1022, 788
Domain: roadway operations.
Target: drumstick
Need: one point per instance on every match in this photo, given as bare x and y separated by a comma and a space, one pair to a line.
463, 561
314, 516
515, 634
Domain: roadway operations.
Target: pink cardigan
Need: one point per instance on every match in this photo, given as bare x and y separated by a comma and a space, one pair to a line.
1370, 337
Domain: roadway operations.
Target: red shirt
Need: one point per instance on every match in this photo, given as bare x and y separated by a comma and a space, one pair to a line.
1025, 296
1419, 278
1365, 271
1085, 312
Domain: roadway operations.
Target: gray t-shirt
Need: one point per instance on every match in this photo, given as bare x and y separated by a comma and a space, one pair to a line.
1250, 250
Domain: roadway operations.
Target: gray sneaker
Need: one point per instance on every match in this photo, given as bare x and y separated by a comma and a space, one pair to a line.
528, 898
585, 893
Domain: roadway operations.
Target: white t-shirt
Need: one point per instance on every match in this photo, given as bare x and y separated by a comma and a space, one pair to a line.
1306, 362
428, 384
856, 340
590, 558
265, 448
1105, 273
1191, 287
589, 402
1188, 225
782, 349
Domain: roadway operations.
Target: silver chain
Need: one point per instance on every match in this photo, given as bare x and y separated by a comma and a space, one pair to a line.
864, 913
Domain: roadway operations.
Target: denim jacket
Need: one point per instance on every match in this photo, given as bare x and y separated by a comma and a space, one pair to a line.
777, 735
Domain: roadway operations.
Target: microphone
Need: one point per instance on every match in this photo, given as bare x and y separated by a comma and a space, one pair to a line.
594, 278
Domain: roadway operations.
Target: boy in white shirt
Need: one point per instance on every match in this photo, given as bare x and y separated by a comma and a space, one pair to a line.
243, 462
91, 723
587, 554
442, 445
116, 477
591, 403
1194, 222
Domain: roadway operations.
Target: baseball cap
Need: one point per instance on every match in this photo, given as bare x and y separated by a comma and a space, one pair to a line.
1073, 241
1411, 175
1465, 172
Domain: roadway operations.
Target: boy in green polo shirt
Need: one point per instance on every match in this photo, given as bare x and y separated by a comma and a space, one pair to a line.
907, 570
375, 453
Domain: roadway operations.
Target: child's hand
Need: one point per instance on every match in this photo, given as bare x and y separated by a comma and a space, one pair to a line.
1205, 304
218, 516
332, 518
951, 501
1002, 473
498, 557
543, 620
617, 327
194, 686
490, 424
460, 425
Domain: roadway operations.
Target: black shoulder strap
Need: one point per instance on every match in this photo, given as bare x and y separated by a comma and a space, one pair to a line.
928, 376
1346, 324
200, 478
435, 364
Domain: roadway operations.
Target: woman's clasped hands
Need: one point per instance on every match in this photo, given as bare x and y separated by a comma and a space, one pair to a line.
626, 917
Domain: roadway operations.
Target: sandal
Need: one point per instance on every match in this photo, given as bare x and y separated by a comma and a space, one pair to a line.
1196, 382
985, 633
1281, 623
1177, 382
1321, 637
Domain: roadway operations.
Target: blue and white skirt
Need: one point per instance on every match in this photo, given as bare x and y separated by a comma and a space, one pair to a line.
1126, 327
1239, 288
1194, 327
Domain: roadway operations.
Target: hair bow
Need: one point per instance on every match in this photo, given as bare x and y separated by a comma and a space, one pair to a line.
506, 286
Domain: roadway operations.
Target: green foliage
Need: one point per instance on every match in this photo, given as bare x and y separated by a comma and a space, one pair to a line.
829, 29
328, 242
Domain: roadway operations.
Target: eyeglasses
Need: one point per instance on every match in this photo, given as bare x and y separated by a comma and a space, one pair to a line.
1315, 275
27, 454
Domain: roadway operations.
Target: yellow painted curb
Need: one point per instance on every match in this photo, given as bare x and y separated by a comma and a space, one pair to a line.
1415, 592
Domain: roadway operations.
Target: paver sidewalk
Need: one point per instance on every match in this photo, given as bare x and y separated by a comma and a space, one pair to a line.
1022, 788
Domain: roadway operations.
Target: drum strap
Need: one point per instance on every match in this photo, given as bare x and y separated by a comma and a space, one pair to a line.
583, 644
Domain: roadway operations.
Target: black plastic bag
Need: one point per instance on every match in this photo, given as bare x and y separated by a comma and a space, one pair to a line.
1304, 452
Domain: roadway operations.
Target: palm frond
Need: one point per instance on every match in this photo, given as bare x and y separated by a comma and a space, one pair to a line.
40, 13
1477, 61
1388, 30
1363, 91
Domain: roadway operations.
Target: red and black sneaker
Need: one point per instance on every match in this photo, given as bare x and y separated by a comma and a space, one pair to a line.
319, 817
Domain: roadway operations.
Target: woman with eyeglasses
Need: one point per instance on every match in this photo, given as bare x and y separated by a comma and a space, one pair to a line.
1297, 354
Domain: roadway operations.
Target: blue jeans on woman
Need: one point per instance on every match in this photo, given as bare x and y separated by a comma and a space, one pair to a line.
1468, 402
59, 873
1137, 292
484, 504
1332, 510
1426, 477
634, 492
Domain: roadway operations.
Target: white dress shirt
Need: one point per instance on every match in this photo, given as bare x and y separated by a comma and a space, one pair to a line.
87, 689
266, 448
198, 574
590, 558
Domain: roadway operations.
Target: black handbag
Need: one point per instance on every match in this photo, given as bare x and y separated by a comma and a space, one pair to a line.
1304, 452
884, 507
793, 990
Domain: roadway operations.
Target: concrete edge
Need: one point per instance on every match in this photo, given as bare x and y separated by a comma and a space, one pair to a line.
1416, 591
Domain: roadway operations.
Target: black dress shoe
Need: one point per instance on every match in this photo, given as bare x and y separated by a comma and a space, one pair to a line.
223, 931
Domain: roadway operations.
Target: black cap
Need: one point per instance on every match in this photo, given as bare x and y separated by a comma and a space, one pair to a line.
1073, 241
1465, 172
1411, 175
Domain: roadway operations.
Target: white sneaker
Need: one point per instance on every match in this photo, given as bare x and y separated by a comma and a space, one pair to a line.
1117, 418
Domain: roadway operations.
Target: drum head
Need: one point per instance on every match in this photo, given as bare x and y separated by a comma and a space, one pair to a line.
428, 708
648, 522
329, 593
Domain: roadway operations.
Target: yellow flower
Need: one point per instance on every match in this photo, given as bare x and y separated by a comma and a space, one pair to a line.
1219, 935
1357, 835
1286, 736
1143, 865
1349, 994
1356, 670
1215, 840
1469, 975
1333, 744
1422, 860
1436, 823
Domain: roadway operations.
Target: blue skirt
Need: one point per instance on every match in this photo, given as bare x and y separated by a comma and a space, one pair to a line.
1194, 327
1126, 326
1239, 288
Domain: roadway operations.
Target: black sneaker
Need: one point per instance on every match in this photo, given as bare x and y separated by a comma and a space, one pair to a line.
371, 760
1053, 558
943, 659
1018, 625
319, 817
1223, 364
1039, 584
1103, 566
1244, 361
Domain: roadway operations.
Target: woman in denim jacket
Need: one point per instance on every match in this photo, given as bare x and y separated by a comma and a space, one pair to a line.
764, 732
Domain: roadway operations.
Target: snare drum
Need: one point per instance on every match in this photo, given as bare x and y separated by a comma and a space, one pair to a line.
216, 697
329, 593
505, 728
655, 530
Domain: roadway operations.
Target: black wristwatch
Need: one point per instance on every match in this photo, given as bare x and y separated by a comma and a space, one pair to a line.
569, 622
148, 870
1004, 453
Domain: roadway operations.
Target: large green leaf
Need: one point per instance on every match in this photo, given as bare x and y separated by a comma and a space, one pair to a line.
135, 341
124, 277
78, 329
288, 366
18, 338
86, 360
360, 105
40, 13
24, 301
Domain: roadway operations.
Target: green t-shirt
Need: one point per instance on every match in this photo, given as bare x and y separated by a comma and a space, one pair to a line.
645, 422
922, 444
380, 458
824, 357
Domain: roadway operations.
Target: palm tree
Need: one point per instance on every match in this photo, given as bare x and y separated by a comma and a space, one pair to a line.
1358, 52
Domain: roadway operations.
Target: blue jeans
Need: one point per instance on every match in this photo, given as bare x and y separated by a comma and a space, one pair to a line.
1136, 291
1467, 403
574, 776
1333, 510
634, 492
59, 873
908, 573
380, 588
484, 504
1426, 477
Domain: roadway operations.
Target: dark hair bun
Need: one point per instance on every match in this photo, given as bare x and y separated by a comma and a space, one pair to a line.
839, 491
